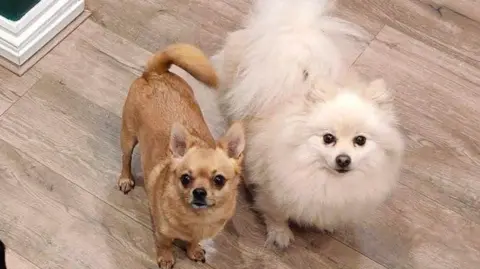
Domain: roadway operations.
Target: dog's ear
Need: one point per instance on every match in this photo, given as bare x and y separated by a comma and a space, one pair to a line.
319, 91
179, 140
378, 92
233, 142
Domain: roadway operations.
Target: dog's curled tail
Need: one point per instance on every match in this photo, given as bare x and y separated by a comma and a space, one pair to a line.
187, 57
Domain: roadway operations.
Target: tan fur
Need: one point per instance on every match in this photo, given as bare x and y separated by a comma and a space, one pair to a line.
162, 115
187, 57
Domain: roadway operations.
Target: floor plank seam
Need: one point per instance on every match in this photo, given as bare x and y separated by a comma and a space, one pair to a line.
33, 66
424, 49
432, 42
374, 37
148, 227
358, 251
18, 99
403, 184
23, 257
131, 68
439, 9
438, 203
435, 44
92, 20
74, 183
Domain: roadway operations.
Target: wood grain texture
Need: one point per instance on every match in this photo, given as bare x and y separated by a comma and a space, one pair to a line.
14, 260
74, 221
441, 94
75, 132
56, 224
21, 69
467, 8
437, 26
75, 138
242, 245
412, 231
60, 156
432, 220
12, 87
155, 24
96, 64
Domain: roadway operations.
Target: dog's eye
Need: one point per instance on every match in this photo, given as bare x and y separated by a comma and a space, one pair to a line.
185, 179
219, 180
329, 139
360, 140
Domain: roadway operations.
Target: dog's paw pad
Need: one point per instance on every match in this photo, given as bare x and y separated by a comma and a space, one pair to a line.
125, 184
280, 237
196, 254
166, 262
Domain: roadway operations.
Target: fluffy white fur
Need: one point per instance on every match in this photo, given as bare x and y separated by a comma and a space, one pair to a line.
279, 74
294, 170
283, 41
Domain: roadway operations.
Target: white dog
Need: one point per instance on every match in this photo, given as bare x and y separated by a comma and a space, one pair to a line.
319, 152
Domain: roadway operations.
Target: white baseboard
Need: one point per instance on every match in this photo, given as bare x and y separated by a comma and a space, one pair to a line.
21, 39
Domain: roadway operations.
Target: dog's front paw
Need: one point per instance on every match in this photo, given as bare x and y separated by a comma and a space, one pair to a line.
196, 253
166, 260
125, 184
281, 237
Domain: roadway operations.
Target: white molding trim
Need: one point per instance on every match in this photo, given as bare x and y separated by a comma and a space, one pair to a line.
21, 39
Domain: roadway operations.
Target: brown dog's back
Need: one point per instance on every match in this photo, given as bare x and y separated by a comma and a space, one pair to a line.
159, 98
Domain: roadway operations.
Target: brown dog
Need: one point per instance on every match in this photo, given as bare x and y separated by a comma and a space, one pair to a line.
190, 179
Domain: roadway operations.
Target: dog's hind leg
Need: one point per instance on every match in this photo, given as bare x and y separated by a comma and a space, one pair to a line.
128, 142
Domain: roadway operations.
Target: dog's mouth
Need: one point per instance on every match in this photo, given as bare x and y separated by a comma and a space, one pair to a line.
199, 204
342, 171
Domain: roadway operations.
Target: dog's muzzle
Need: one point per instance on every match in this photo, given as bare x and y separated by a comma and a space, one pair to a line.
199, 198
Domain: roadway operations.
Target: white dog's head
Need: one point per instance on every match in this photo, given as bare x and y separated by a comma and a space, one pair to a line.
353, 129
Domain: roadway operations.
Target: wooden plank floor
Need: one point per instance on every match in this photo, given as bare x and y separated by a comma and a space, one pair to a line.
60, 157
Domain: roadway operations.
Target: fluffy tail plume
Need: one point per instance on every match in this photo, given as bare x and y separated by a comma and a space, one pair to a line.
283, 44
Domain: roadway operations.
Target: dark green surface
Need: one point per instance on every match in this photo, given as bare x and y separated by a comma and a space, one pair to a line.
15, 9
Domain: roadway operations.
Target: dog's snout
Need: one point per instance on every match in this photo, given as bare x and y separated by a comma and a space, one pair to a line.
199, 193
343, 160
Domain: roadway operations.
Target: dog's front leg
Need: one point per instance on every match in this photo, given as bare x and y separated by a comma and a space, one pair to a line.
128, 140
164, 245
278, 231
195, 251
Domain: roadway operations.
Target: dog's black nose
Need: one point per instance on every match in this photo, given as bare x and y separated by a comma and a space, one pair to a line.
343, 160
199, 193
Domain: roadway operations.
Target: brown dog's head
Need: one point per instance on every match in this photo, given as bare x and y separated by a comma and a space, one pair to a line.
207, 177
